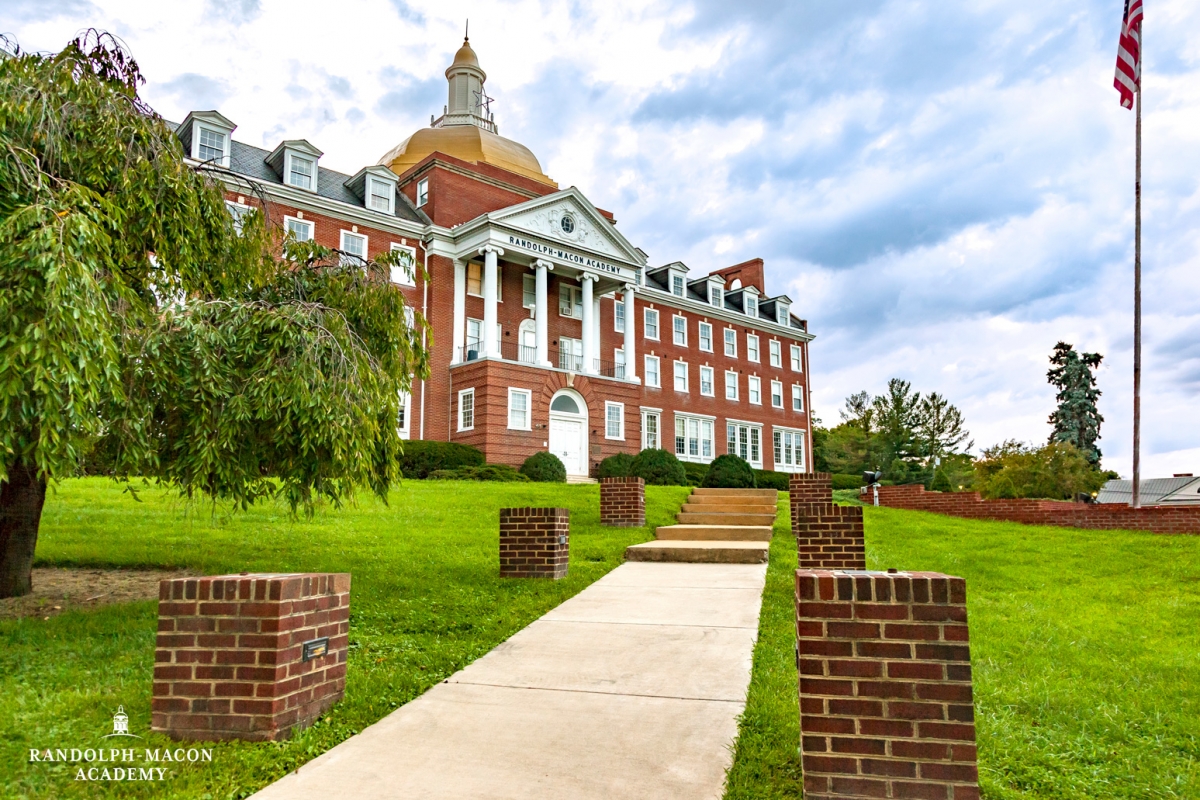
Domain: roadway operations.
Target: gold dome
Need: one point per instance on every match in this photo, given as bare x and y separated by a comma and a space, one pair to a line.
465, 57
468, 143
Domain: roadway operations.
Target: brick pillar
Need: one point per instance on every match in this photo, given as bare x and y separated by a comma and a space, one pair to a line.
534, 542
809, 487
885, 686
622, 502
829, 536
231, 660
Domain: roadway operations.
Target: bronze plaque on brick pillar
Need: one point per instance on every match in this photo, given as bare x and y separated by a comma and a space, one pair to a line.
249, 656
886, 707
534, 542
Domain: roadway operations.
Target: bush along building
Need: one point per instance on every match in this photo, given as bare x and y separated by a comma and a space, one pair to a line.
550, 330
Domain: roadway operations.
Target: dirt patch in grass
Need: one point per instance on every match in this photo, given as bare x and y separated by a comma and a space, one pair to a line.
59, 589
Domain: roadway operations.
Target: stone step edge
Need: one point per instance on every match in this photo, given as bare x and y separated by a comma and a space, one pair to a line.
714, 533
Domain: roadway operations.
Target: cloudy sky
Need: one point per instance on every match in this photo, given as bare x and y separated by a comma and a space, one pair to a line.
945, 189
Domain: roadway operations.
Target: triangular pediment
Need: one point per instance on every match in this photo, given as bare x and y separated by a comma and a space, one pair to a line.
571, 219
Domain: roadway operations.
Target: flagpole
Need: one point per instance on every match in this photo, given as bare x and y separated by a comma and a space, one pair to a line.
1137, 305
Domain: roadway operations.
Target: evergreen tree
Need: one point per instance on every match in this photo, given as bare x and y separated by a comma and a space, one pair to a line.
1076, 420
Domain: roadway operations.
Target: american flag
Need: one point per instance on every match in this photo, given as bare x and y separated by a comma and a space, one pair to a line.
1129, 53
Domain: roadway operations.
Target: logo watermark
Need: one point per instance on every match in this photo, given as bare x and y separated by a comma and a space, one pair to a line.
121, 764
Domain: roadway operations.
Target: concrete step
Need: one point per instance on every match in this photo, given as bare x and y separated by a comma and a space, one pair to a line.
711, 552
715, 533
729, 508
580, 479
770, 494
716, 518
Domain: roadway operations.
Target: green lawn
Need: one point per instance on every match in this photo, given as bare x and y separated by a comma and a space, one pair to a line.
1085, 647
426, 600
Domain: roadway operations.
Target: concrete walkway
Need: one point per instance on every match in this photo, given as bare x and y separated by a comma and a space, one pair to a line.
631, 689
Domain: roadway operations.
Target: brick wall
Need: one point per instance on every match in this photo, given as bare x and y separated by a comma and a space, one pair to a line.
229, 657
1099, 516
622, 502
809, 487
886, 706
534, 542
829, 536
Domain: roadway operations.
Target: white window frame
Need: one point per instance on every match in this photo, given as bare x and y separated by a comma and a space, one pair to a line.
678, 285
647, 413
468, 339
797, 398
528, 290
619, 363
779, 451
711, 382
528, 410
729, 336
405, 409
775, 352
398, 275
701, 327
574, 303
751, 306
731, 379
575, 350
422, 192
716, 296
752, 349
226, 147
648, 326
389, 195
679, 337
288, 159
703, 423
652, 377
735, 426
675, 375
609, 406
753, 388
797, 359
618, 315
776, 385
347, 256
461, 416
289, 221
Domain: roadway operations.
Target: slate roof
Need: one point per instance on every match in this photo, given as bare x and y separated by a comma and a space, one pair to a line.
249, 161
1153, 491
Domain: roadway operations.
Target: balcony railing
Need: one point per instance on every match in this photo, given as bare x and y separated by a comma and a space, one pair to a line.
564, 359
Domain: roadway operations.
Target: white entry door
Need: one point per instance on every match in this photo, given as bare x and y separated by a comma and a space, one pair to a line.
566, 442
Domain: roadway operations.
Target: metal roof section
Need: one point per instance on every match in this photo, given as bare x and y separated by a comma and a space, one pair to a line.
1183, 490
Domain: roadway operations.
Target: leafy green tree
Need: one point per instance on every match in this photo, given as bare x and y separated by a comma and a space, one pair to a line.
140, 329
897, 413
1076, 420
1055, 471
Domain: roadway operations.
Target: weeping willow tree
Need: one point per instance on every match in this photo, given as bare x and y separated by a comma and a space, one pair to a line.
141, 329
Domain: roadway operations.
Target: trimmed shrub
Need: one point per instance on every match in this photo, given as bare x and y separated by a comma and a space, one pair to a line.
488, 472
658, 468
846, 481
423, 457
695, 473
765, 479
544, 468
729, 472
617, 466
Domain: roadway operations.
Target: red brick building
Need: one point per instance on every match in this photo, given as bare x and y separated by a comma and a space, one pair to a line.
549, 329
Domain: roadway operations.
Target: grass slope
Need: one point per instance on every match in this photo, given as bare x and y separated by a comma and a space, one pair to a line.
1084, 647
426, 600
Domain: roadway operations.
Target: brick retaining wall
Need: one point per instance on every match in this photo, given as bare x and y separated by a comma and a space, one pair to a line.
886, 707
829, 536
534, 542
1099, 516
229, 662
622, 502
809, 487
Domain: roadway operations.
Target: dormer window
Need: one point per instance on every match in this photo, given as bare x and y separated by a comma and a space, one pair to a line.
296, 163
211, 146
677, 285
300, 172
381, 194
716, 296
751, 306
782, 310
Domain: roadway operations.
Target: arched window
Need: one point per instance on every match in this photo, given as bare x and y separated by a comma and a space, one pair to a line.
566, 404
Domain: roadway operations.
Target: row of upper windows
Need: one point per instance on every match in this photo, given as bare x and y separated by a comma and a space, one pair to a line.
353, 247
704, 330
682, 383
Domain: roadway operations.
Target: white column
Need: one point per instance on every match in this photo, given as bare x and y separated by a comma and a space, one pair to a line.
630, 335
541, 319
590, 350
460, 311
491, 345
596, 333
